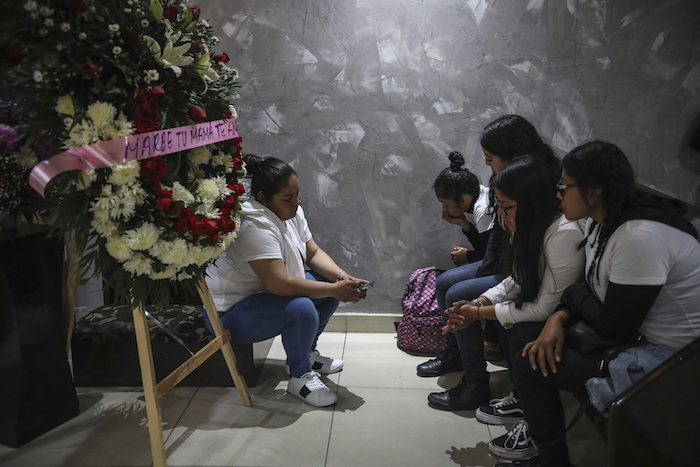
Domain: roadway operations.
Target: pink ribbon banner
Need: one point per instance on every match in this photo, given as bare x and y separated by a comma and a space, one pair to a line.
130, 148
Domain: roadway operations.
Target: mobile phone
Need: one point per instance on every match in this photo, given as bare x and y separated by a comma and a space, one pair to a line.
366, 286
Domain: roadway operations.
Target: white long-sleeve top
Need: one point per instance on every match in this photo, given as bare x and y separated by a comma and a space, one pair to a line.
563, 265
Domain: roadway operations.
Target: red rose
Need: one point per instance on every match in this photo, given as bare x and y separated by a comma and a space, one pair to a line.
170, 13
181, 224
146, 109
79, 5
129, 36
197, 228
227, 204
90, 70
222, 58
237, 162
238, 189
154, 169
197, 114
227, 224
15, 51
195, 11
211, 228
167, 205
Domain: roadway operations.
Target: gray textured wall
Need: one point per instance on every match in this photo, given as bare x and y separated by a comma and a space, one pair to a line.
366, 98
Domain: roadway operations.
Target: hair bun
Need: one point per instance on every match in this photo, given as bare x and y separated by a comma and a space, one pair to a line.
456, 161
252, 163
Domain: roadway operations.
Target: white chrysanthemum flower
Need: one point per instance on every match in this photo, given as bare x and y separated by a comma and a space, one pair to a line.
30, 5
127, 10
120, 127
64, 105
180, 193
144, 23
46, 11
38, 76
48, 22
106, 200
114, 27
65, 27
124, 174
169, 273
82, 134
82, 36
200, 155
27, 159
143, 237
105, 227
174, 253
139, 264
206, 254
101, 113
86, 179
116, 50
124, 208
43, 32
151, 75
208, 191
133, 191
195, 174
224, 159
59, 47
118, 248
222, 187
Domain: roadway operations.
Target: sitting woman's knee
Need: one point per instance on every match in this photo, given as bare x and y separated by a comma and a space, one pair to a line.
303, 309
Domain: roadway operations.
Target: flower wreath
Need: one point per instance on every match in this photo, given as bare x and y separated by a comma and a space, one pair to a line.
87, 71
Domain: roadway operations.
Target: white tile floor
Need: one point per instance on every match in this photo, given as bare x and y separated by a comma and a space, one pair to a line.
382, 419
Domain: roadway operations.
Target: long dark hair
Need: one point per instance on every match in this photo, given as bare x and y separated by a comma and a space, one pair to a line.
599, 164
454, 181
511, 136
269, 175
531, 184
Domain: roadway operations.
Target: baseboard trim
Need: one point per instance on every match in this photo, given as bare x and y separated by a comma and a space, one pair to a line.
363, 322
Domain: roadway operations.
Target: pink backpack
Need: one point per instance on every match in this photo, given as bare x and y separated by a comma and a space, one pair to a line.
420, 328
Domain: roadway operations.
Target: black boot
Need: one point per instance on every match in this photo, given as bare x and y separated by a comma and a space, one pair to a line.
469, 394
446, 361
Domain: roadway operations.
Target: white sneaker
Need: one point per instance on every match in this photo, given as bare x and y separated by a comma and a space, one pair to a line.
321, 364
311, 390
324, 365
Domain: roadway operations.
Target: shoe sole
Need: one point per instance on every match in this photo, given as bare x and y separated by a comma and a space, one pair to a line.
495, 420
510, 454
337, 370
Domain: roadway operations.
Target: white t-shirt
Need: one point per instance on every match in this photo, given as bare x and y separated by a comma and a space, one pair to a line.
262, 235
644, 252
563, 262
479, 218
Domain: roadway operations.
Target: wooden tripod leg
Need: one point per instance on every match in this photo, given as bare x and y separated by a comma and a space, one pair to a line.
70, 286
148, 376
226, 349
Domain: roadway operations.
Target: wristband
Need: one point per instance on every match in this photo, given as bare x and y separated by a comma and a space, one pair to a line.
478, 306
337, 276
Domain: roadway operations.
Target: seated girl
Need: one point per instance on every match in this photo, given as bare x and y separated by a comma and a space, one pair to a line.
642, 277
502, 140
542, 259
261, 283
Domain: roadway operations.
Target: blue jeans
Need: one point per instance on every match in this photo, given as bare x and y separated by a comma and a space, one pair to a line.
300, 320
457, 284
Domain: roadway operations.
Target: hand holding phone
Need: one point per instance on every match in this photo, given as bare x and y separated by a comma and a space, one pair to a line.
366, 286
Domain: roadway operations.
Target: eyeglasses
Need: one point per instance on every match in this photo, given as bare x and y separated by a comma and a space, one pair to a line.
504, 209
563, 186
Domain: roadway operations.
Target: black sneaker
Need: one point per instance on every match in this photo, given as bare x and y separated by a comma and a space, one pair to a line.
501, 411
446, 361
469, 394
531, 462
516, 444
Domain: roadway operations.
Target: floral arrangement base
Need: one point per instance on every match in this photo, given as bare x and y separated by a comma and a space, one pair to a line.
105, 353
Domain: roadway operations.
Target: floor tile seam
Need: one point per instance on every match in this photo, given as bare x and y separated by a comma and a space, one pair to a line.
182, 414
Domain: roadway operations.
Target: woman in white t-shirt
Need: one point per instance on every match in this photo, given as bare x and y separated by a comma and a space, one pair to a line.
262, 287
642, 277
